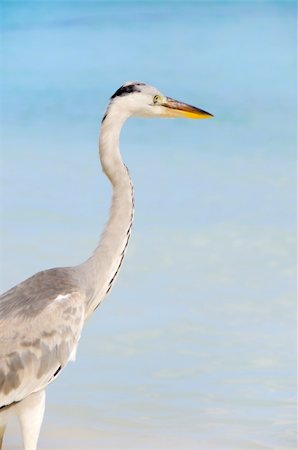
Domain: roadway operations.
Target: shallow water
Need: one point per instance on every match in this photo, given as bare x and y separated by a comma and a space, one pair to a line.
195, 346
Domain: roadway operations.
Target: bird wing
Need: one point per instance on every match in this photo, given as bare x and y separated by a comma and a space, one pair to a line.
39, 332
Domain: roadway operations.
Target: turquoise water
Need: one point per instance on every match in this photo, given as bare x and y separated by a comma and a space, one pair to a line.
195, 346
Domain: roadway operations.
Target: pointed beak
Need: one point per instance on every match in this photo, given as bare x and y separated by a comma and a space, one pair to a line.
174, 108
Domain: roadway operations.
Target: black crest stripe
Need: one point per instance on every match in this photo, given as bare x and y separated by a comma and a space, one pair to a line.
124, 90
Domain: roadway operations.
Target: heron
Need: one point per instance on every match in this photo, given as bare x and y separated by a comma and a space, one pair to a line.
41, 318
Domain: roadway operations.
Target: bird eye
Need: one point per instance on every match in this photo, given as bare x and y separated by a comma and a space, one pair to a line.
156, 98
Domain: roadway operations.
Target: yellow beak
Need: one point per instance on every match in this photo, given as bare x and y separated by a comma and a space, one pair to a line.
173, 108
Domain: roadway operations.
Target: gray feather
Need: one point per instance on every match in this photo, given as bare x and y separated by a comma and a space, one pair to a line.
40, 322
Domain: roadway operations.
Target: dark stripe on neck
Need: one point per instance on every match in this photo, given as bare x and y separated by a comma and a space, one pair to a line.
122, 254
126, 243
57, 371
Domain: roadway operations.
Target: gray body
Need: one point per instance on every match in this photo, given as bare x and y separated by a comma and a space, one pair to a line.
46, 314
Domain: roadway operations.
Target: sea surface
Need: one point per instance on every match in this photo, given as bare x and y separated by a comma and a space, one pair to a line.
194, 349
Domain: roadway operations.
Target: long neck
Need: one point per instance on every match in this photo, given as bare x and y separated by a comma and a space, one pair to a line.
103, 266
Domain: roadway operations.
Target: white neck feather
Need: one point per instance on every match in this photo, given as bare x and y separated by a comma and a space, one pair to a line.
102, 267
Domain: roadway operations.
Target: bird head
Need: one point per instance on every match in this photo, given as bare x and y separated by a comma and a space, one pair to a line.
139, 99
